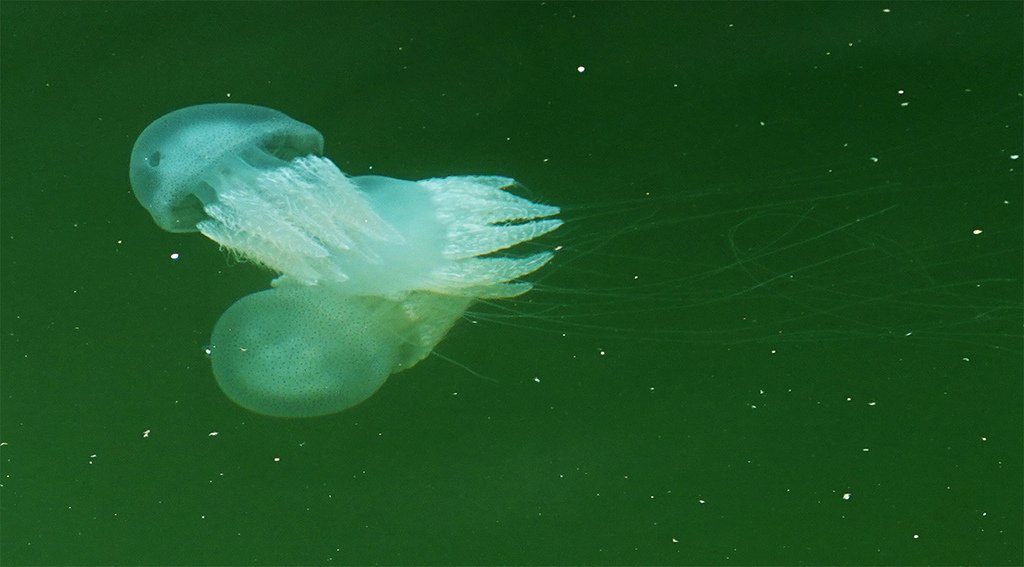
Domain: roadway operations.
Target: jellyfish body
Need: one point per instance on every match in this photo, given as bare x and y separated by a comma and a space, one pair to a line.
373, 271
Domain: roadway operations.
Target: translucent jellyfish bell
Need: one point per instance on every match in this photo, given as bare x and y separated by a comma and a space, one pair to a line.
374, 270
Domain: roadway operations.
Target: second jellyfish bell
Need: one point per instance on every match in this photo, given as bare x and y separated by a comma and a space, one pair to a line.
374, 271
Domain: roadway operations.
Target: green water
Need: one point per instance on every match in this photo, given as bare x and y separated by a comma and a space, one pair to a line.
783, 325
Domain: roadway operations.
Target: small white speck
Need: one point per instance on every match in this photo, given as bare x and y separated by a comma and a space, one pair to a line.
213, 434
846, 496
886, 10
1015, 156
277, 459
174, 256
580, 69
145, 434
536, 379
873, 159
916, 536
976, 231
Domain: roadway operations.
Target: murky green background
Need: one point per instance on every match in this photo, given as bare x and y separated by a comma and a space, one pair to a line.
783, 327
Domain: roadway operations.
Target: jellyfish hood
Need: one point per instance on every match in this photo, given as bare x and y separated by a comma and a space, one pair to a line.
176, 154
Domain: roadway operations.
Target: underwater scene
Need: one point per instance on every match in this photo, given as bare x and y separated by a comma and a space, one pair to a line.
511, 283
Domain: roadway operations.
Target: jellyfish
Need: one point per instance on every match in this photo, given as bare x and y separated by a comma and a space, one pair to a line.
372, 271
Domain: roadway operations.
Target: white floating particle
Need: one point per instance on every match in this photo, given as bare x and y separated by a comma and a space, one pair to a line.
174, 256
976, 231
145, 434
580, 69
846, 496
1015, 156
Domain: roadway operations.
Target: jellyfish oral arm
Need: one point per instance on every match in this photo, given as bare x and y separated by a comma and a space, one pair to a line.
309, 221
